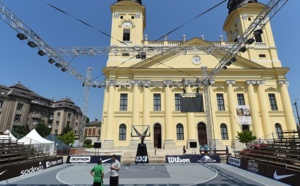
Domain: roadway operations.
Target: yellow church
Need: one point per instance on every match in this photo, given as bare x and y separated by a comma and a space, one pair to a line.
152, 84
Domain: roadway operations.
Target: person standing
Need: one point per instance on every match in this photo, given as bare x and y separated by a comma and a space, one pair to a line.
98, 173
114, 171
184, 150
200, 149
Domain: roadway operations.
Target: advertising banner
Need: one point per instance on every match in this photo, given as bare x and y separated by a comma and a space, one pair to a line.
53, 162
243, 115
7, 172
29, 168
90, 159
234, 161
193, 159
272, 171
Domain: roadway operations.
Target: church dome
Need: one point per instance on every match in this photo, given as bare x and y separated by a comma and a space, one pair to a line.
234, 4
137, 1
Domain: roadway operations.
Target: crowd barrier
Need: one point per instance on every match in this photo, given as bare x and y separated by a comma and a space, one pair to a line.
282, 174
20, 169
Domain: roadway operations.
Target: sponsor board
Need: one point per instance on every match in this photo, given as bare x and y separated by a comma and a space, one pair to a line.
193, 159
90, 159
7, 172
30, 168
80, 159
234, 161
272, 171
53, 162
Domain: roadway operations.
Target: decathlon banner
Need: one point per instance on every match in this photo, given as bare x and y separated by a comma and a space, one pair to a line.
234, 161
90, 159
193, 159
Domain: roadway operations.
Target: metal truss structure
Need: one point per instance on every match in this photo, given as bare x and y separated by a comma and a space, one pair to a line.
225, 54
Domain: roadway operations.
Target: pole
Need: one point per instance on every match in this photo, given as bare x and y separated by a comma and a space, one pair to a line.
295, 104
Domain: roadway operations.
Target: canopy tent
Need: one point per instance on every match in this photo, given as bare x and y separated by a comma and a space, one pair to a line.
7, 137
38, 141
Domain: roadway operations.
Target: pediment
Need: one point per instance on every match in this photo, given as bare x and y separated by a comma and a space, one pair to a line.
186, 60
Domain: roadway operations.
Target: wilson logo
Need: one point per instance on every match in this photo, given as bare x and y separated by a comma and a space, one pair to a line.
178, 160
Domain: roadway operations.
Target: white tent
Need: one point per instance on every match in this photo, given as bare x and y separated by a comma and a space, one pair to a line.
8, 137
38, 141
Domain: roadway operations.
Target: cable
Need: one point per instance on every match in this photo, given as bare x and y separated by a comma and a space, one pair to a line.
182, 25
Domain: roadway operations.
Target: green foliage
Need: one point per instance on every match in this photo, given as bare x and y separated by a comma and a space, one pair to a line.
42, 130
67, 138
66, 129
87, 119
87, 142
21, 131
246, 137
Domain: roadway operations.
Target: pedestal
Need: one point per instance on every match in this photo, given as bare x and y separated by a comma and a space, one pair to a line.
142, 154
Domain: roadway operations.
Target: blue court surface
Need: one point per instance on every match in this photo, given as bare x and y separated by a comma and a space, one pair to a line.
208, 174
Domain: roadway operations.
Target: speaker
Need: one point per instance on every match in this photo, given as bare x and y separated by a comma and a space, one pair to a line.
97, 145
193, 144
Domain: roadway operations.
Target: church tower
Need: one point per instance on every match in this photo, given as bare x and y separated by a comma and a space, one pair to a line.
128, 22
240, 16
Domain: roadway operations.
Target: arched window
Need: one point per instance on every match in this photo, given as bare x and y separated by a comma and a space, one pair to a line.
179, 131
278, 130
224, 133
122, 132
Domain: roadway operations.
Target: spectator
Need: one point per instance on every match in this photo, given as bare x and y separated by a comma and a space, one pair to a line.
98, 173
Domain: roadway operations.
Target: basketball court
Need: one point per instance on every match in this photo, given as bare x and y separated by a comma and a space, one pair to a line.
148, 174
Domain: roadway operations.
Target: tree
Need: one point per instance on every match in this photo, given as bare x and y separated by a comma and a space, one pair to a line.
21, 131
68, 137
66, 129
42, 130
246, 137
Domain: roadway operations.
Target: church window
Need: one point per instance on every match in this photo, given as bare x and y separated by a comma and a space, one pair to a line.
224, 133
126, 35
177, 102
220, 102
156, 102
122, 132
278, 130
240, 99
179, 131
262, 55
123, 102
273, 103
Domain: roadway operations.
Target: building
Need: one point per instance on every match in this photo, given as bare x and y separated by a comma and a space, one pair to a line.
147, 90
20, 106
93, 130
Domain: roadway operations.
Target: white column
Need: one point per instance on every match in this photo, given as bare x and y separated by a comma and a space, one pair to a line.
286, 104
146, 106
232, 106
135, 104
253, 104
168, 114
263, 107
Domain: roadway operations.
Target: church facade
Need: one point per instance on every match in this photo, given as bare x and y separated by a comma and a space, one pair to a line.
145, 89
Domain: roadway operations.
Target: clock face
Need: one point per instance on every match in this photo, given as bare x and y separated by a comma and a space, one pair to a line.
196, 60
126, 24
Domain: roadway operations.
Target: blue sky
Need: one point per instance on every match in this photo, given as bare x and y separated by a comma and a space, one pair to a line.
18, 62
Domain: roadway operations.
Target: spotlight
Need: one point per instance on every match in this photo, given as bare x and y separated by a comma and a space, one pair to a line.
250, 41
233, 59
41, 53
51, 61
32, 44
21, 36
258, 32
228, 63
94, 86
58, 65
143, 55
243, 49
64, 69
224, 67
